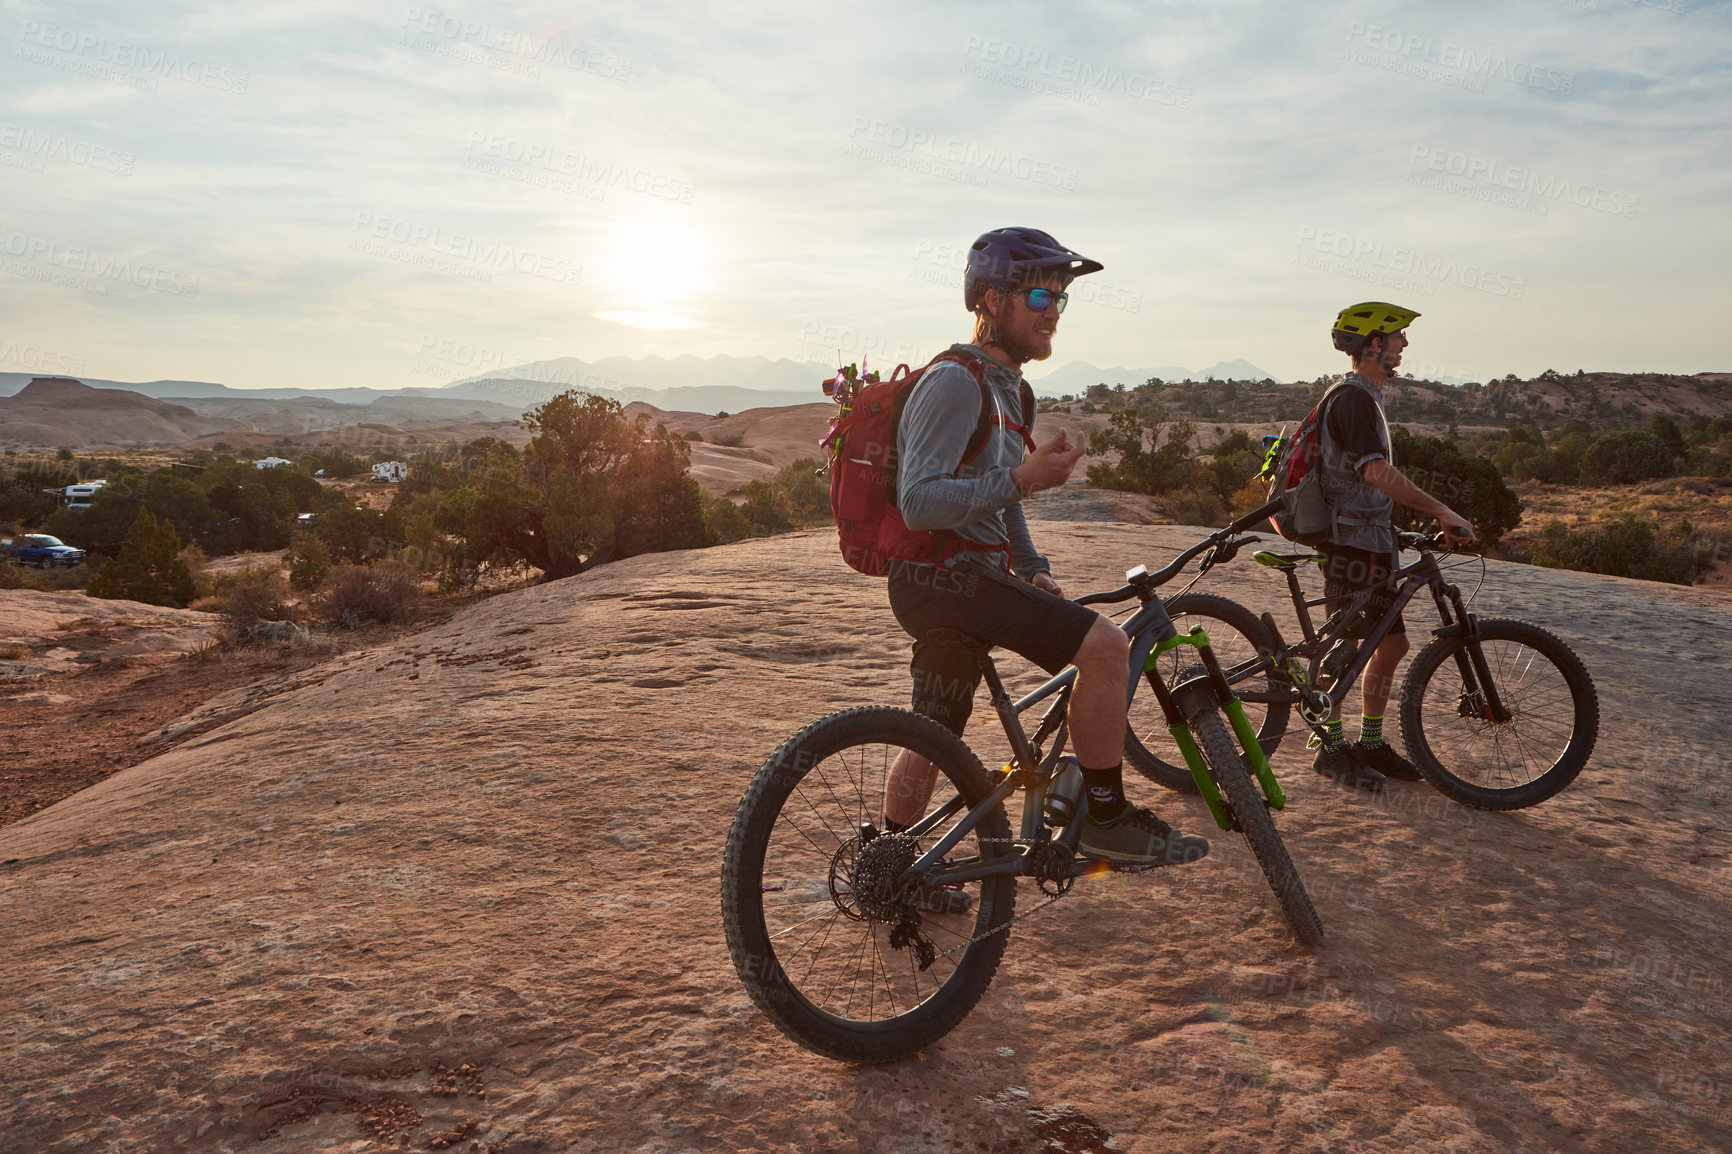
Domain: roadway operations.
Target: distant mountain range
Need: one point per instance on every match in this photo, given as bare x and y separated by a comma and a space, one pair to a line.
677, 384
722, 383
1077, 376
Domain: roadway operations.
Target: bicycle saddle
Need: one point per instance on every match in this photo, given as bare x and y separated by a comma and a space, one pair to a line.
1280, 561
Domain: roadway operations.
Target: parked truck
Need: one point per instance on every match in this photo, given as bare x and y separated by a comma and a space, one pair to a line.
40, 550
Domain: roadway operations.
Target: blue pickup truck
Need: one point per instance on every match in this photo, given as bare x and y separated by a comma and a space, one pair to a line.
40, 550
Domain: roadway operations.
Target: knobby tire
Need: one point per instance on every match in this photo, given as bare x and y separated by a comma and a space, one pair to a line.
1254, 821
895, 1009
1500, 766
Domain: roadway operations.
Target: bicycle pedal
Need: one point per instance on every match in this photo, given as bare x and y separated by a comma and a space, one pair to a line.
1314, 742
1101, 865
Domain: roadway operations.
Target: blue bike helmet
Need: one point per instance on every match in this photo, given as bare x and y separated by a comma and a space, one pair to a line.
1006, 257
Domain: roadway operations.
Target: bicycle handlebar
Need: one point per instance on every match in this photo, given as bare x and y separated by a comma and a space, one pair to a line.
1221, 538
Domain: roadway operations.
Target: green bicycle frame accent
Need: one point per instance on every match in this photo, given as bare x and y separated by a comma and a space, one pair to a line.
1235, 711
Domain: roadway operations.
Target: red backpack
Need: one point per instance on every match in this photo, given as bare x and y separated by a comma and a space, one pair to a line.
862, 444
1290, 468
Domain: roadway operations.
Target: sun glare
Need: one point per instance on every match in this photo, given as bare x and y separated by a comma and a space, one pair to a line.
658, 267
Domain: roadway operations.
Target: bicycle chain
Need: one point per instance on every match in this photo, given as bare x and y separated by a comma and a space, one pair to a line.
1015, 917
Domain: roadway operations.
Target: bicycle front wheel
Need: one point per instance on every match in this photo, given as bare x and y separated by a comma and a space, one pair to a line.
1252, 817
1471, 757
816, 924
1237, 636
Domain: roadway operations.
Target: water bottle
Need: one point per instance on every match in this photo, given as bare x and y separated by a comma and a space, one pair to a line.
1064, 792
1339, 658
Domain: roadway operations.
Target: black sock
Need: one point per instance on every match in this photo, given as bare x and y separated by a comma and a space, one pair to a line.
1106, 793
893, 826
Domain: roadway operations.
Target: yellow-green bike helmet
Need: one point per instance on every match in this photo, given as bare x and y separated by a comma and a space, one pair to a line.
1355, 323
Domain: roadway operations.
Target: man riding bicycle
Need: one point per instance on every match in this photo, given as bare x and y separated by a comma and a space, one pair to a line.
994, 587
1362, 487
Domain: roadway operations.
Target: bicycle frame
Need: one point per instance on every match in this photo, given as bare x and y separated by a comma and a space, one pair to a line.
1151, 633
1422, 574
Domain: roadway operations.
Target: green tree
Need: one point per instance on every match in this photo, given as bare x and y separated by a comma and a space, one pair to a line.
1667, 432
1624, 458
148, 566
1468, 484
605, 488
309, 560
1147, 463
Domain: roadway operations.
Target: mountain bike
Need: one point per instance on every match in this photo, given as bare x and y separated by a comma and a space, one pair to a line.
1497, 714
866, 945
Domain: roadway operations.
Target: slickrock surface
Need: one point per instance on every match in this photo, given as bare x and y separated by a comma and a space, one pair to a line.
461, 891
55, 631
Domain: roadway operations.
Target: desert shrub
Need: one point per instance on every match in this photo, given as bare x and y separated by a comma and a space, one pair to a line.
1625, 458
197, 563
1626, 546
1197, 507
728, 440
309, 560
147, 567
17, 577
256, 593
356, 595
794, 497
694, 435
724, 521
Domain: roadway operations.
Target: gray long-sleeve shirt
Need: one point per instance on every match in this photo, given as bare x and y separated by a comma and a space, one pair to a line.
979, 500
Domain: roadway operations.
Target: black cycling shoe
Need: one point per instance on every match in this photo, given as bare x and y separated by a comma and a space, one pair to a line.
1342, 766
1138, 840
1383, 758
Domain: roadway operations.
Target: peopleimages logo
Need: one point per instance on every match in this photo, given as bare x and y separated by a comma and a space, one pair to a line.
1497, 175
1066, 75
97, 50
37, 359
51, 146
521, 48
1416, 49
1398, 265
873, 137
69, 264
454, 254
488, 150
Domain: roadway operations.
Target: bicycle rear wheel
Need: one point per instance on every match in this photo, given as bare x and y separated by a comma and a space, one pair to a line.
1468, 756
1236, 635
1252, 817
814, 920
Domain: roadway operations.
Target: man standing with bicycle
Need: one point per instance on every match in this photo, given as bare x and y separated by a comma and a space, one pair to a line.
995, 587
1362, 486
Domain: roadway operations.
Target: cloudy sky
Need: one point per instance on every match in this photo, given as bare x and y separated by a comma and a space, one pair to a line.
389, 194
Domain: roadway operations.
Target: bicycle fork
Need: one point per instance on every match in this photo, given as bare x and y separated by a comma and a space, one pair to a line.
1190, 697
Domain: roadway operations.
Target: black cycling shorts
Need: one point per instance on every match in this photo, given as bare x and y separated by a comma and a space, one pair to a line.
1347, 571
993, 607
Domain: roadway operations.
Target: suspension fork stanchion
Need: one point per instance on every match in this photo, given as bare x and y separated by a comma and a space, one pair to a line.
1476, 659
1235, 711
1181, 731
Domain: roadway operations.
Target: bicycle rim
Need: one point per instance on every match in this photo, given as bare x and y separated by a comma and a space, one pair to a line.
1554, 718
816, 913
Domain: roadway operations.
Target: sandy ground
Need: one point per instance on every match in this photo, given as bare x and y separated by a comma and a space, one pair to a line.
459, 891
